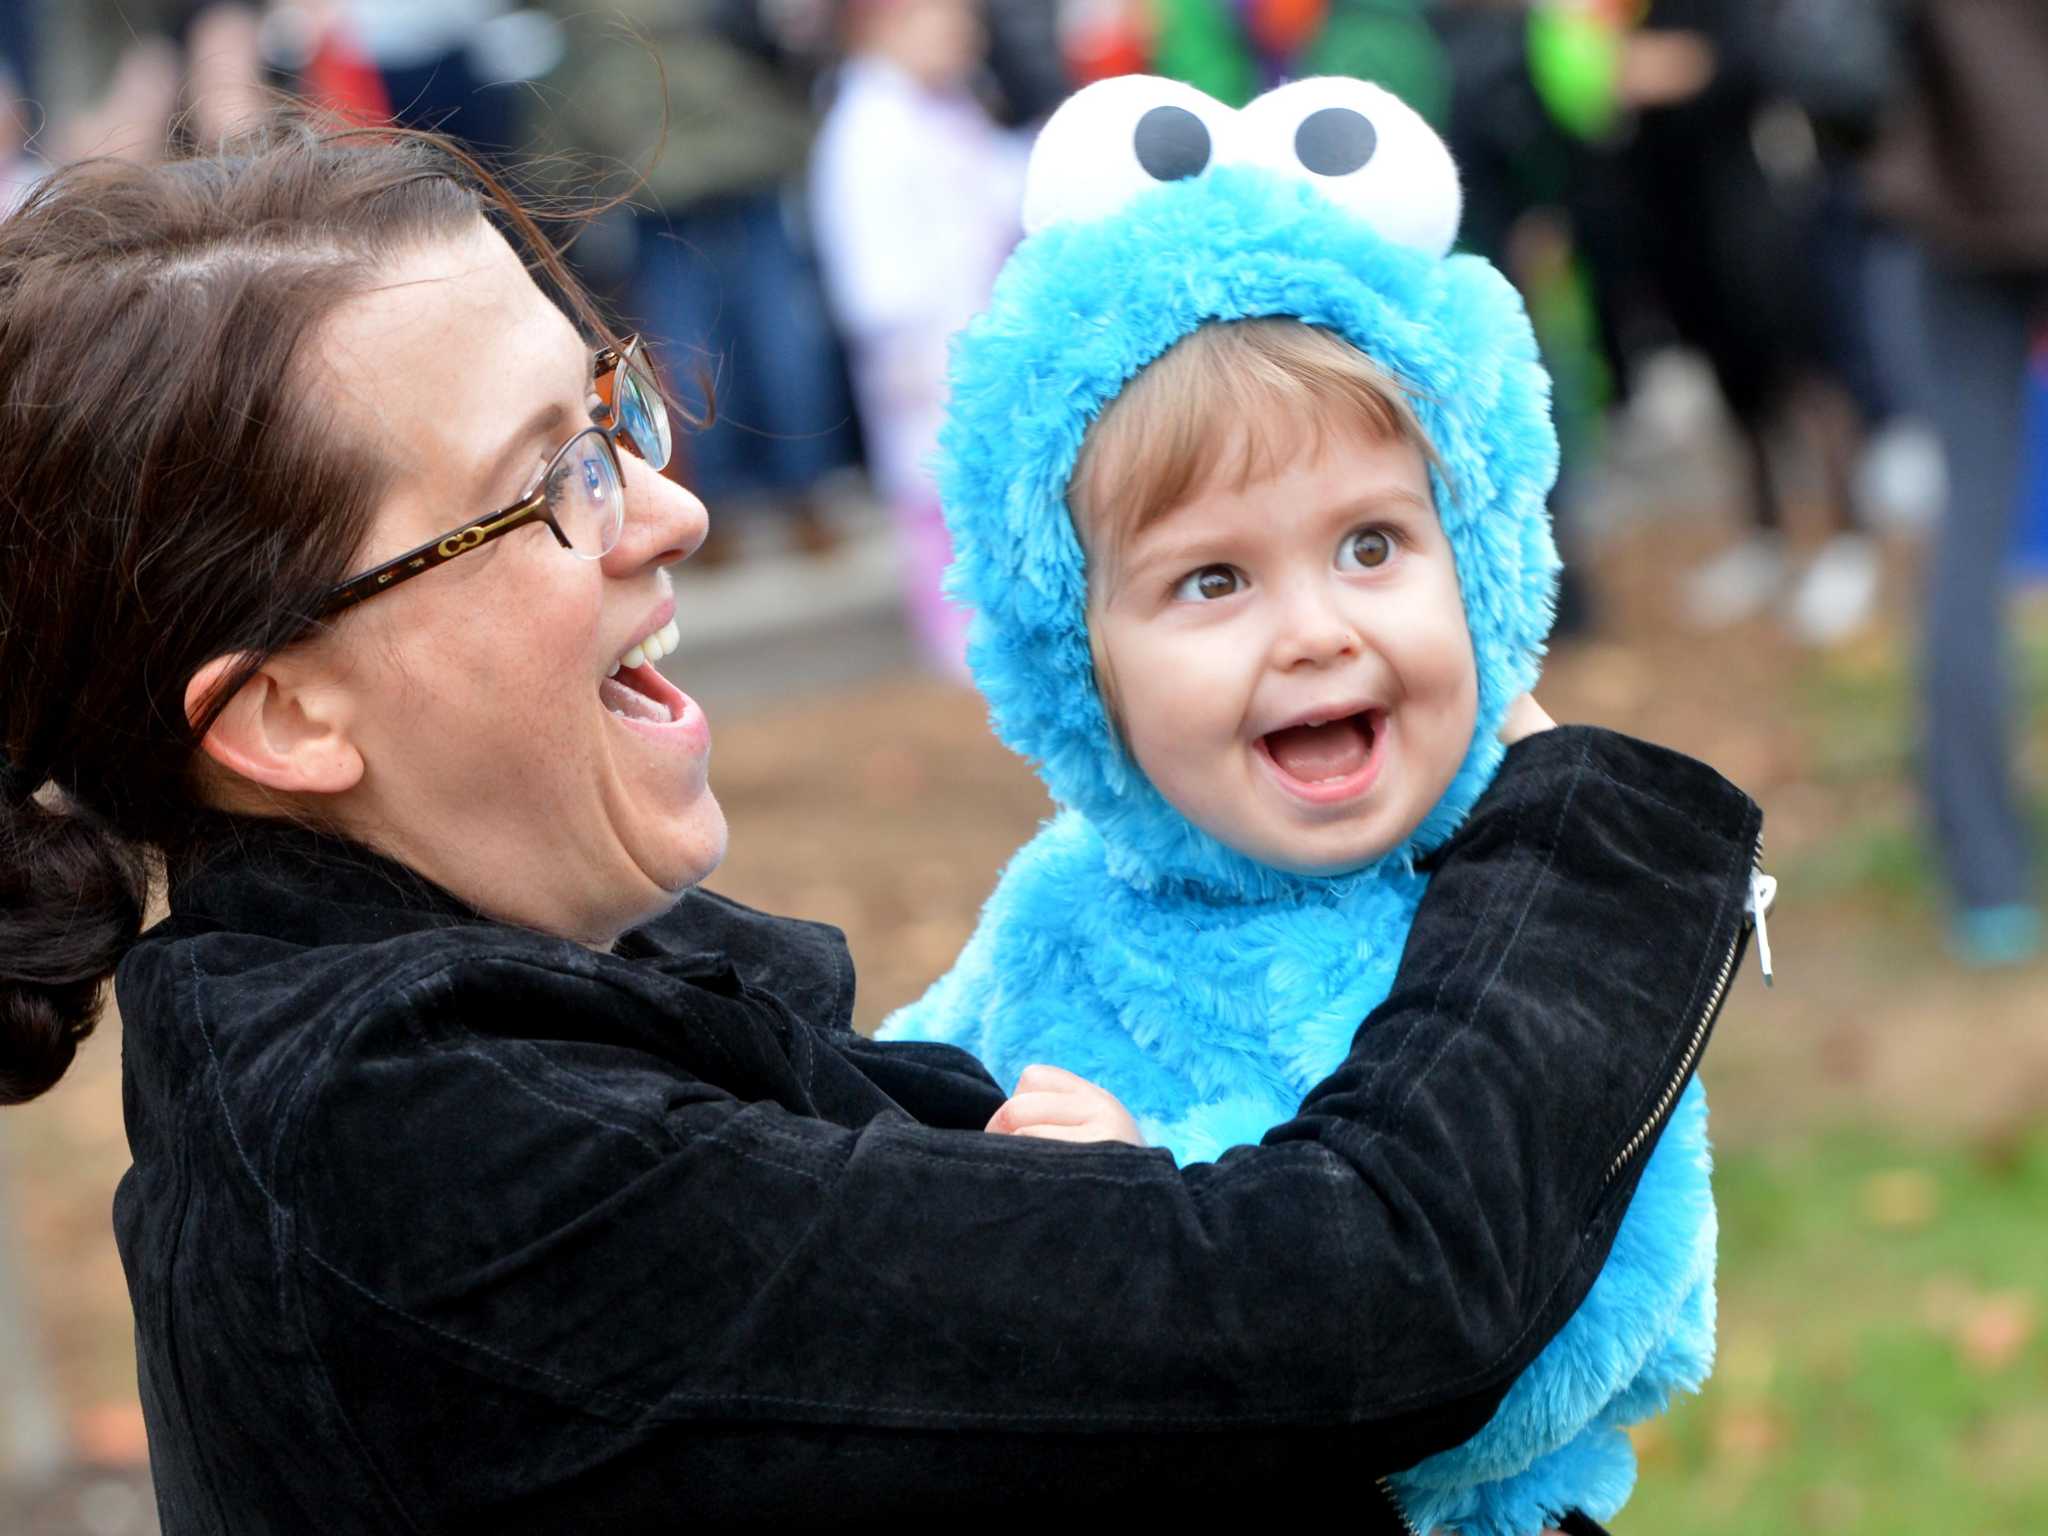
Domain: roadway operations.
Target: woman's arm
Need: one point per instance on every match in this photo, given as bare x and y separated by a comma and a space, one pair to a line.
1369, 1280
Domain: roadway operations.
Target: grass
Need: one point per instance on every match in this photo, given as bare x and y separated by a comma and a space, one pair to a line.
1883, 1367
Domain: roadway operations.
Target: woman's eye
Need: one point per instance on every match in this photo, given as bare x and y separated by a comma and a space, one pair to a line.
531, 483
1208, 584
1367, 550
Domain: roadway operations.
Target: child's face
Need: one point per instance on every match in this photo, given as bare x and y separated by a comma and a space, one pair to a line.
937, 42
1290, 661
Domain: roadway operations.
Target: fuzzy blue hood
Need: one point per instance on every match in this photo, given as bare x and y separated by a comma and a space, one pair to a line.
1088, 301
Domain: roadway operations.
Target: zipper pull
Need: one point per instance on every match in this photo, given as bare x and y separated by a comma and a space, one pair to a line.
1763, 890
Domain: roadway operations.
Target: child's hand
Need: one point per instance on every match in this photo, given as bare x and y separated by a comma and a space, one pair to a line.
1525, 718
1059, 1106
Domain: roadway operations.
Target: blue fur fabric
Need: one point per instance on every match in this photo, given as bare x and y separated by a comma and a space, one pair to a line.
1207, 991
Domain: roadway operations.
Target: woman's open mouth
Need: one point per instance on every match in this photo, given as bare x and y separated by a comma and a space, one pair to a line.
1327, 761
639, 693
649, 704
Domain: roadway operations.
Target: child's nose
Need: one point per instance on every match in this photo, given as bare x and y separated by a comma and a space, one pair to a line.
1314, 632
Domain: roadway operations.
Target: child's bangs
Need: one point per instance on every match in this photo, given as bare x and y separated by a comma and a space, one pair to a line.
1229, 405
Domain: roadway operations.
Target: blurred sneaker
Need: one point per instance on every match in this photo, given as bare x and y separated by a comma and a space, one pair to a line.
1993, 938
1836, 595
1902, 478
1736, 584
1675, 402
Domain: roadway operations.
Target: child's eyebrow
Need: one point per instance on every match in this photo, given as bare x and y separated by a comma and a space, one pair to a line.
1159, 543
1383, 503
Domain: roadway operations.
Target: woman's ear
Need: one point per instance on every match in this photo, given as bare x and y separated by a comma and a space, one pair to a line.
282, 729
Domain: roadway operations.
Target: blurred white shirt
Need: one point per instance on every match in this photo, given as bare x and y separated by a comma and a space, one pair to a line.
915, 199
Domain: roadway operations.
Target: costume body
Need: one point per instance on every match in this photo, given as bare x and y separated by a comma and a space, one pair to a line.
1207, 991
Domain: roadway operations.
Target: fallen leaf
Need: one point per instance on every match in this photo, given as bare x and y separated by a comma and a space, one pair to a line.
1652, 1442
1998, 1330
1901, 1200
1746, 1433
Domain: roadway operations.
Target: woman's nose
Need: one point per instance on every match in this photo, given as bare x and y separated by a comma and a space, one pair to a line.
664, 522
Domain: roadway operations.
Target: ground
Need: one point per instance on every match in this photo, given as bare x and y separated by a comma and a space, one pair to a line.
1877, 1114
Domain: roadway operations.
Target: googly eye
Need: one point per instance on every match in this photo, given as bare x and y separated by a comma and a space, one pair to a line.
1117, 138
1366, 149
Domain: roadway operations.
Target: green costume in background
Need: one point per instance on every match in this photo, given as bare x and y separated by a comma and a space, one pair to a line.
1234, 50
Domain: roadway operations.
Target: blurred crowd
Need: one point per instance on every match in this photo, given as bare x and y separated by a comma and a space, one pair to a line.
1839, 206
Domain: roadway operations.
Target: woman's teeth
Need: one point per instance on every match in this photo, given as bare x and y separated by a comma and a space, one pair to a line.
662, 642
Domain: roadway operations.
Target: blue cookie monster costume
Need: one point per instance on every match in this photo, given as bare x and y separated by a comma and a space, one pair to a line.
1205, 990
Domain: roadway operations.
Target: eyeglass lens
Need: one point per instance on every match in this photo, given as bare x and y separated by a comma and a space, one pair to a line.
643, 415
587, 495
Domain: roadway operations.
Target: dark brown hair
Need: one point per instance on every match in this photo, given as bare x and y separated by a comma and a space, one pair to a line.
171, 491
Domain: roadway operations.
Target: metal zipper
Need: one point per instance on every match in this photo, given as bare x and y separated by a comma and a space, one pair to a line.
1763, 890
1752, 915
1400, 1514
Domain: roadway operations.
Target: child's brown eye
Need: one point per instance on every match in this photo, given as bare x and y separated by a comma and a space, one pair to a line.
1368, 549
1208, 584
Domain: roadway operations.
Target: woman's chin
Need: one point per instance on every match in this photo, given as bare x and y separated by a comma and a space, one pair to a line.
686, 847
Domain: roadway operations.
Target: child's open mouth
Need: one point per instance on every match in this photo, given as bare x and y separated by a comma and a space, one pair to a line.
1328, 760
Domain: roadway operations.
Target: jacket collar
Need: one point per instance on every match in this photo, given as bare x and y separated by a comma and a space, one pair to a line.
306, 886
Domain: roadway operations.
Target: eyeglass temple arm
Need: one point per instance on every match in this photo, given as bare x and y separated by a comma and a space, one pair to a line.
441, 550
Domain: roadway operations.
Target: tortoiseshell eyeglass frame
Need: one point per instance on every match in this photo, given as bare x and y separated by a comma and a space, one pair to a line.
610, 362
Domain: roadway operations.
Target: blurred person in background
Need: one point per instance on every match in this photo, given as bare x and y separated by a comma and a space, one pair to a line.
20, 168
449, 65
722, 269
915, 192
106, 73
1537, 185
1963, 165
1234, 49
1027, 61
1726, 180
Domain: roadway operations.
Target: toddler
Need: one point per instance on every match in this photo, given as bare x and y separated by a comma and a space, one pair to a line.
1247, 478
914, 197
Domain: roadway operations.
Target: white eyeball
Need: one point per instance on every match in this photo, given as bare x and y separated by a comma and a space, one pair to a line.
1366, 149
1111, 141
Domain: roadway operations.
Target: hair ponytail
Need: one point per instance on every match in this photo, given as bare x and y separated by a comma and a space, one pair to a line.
71, 902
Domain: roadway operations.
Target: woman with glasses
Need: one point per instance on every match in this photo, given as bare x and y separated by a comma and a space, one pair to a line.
489, 1175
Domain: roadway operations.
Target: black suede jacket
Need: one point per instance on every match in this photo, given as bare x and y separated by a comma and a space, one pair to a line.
439, 1225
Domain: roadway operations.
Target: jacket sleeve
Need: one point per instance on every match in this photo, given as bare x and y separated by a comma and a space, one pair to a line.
1389, 1260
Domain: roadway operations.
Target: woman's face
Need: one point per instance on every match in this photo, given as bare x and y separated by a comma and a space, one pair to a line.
491, 764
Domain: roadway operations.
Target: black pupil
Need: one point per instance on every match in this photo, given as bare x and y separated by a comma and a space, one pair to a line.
1370, 548
1216, 582
1335, 141
1172, 144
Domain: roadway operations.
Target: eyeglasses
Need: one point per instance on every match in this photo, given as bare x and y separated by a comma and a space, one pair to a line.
581, 495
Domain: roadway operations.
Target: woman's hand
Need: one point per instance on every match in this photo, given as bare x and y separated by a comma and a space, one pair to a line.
1058, 1106
1525, 718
